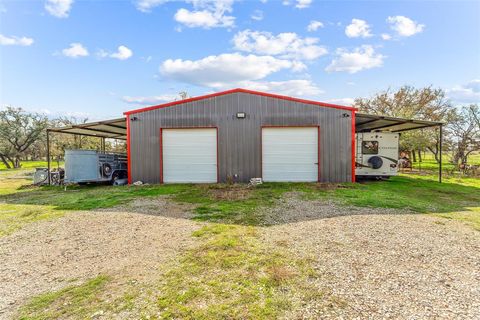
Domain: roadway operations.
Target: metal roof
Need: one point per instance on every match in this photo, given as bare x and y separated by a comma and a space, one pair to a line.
370, 122
112, 129
240, 90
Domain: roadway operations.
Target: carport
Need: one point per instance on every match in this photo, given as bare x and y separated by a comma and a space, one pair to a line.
106, 129
369, 122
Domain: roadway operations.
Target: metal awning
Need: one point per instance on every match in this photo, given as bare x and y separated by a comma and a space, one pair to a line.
110, 129
370, 122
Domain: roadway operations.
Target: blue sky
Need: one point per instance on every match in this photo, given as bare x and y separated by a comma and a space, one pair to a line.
100, 58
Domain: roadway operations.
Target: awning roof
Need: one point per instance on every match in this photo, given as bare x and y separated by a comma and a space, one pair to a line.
112, 129
369, 122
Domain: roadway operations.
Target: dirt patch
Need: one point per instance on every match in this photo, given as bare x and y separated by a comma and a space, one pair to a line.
156, 206
49, 255
381, 263
233, 192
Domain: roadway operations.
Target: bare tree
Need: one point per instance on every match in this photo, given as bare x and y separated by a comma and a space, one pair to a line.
18, 131
466, 133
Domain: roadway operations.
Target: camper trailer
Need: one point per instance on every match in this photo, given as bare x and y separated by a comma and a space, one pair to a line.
376, 154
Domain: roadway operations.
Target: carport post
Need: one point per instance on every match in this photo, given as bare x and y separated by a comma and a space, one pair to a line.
440, 147
48, 156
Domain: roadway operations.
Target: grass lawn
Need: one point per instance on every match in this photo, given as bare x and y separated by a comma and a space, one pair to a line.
414, 192
230, 270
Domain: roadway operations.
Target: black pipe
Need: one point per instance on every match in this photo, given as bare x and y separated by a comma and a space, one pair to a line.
440, 147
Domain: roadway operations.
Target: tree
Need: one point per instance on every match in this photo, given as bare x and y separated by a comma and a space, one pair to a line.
466, 131
408, 102
19, 130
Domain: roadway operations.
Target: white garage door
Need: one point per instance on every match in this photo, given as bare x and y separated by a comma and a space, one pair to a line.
290, 154
189, 155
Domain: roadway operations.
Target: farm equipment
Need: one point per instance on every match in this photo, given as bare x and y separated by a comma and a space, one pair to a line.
40, 177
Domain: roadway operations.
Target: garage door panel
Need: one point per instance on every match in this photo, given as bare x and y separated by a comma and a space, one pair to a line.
189, 155
290, 154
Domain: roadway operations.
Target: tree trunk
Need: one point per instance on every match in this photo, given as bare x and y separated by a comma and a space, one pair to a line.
17, 163
414, 156
5, 162
419, 155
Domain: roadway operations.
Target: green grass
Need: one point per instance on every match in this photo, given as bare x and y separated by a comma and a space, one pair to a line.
78, 302
31, 165
237, 204
233, 275
429, 163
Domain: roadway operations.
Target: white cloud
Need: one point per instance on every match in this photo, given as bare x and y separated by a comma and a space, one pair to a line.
467, 93
222, 70
123, 53
59, 8
358, 28
300, 4
15, 41
75, 50
342, 101
207, 14
359, 59
404, 27
286, 45
257, 15
386, 36
297, 88
314, 25
151, 100
147, 5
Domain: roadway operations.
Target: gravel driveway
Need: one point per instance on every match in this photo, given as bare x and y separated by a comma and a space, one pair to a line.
377, 263
382, 263
48, 255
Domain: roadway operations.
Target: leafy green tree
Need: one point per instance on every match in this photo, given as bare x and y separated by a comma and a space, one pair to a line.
413, 103
19, 130
466, 133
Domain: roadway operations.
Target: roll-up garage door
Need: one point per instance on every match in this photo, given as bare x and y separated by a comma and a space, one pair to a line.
290, 154
189, 155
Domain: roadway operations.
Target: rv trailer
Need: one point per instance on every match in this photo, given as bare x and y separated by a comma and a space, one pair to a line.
376, 154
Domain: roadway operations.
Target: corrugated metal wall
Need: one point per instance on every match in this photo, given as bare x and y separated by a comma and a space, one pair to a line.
240, 139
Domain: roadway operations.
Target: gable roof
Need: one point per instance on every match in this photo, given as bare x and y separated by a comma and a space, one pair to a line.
237, 90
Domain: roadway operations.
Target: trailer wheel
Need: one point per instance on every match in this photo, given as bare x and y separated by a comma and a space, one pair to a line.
375, 162
107, 169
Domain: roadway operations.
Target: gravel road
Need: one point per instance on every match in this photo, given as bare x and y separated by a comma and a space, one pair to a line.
48, 255
382, 264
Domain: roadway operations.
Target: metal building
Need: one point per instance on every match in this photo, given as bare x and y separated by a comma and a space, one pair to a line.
240, 134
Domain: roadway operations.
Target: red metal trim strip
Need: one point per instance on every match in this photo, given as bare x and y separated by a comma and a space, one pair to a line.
161, 155
129, 160
353, 147
290, 126
218, 167
183, 128
318, 154
271, 95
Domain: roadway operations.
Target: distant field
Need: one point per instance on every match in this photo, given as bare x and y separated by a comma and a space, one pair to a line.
32, 164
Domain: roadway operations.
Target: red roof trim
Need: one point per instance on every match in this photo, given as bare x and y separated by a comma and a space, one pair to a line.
271, 95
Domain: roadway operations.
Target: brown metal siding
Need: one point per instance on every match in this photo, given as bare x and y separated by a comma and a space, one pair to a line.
239, 139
